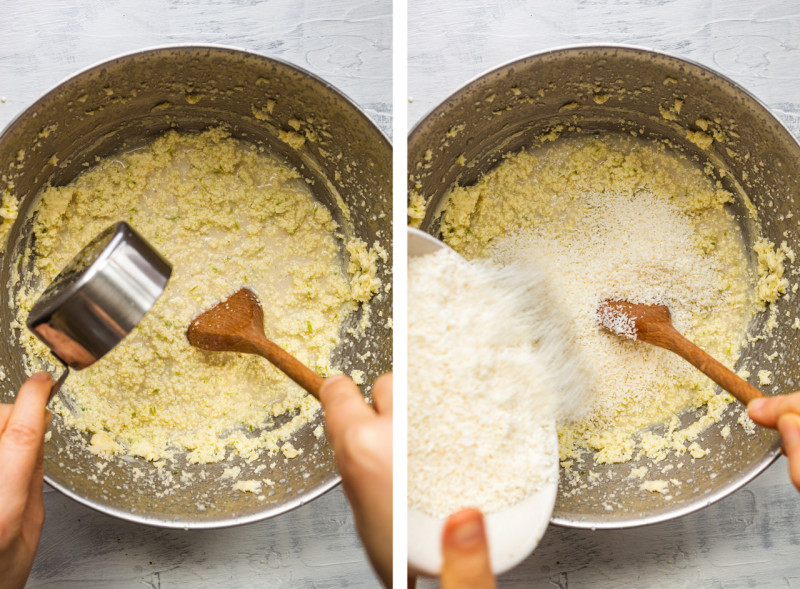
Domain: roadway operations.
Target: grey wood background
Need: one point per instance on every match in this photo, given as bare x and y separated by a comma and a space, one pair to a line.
752, 538
348, 43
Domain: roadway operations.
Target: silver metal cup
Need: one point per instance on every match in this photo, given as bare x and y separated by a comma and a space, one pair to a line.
99, 297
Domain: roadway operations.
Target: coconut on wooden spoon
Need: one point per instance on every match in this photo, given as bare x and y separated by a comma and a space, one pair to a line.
652, 324
237, 325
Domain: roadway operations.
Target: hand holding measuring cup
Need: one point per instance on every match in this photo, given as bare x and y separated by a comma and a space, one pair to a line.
22, 429
91, 305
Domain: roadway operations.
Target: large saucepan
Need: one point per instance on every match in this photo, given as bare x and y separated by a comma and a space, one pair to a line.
121, 104
630, 90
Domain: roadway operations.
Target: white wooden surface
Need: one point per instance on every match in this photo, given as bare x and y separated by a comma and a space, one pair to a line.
347, 42
752, 538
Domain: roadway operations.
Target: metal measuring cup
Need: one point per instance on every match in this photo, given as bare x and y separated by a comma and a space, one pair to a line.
98, 298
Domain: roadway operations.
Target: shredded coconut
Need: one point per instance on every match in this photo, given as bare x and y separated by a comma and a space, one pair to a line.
614, 218
616, 321
486, 372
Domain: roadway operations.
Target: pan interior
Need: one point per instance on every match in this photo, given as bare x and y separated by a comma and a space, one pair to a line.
579, 91
127, 102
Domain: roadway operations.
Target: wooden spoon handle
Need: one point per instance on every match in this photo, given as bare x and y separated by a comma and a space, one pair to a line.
713, 369
289, 365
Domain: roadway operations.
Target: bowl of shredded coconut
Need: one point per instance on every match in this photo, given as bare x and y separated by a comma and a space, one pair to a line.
492, 365
627, 174
241, 170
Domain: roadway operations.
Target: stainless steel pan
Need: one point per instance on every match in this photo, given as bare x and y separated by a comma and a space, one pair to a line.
121, 104
624, 89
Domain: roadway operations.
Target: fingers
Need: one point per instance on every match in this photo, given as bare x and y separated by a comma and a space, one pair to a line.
465, 552
766, 412
789, 427
5, 413
33, 517
343, 405
20, 447
382, 394
782, 412
362, 442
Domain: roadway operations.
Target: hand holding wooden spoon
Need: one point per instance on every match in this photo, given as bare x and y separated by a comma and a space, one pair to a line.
651, 324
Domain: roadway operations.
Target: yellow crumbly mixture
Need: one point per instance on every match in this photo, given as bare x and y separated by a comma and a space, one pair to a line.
620, 218
225, 215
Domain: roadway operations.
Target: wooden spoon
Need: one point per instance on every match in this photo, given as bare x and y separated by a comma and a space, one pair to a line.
651, 324
237, 325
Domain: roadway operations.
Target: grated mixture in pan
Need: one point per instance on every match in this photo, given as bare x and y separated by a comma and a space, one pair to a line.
226, 215
614, 217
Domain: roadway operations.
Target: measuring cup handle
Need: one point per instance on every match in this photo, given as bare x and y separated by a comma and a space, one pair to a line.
58, 383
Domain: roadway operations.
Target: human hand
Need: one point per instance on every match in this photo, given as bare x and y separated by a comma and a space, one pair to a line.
22, 428
361, 436
782, 412
465, 552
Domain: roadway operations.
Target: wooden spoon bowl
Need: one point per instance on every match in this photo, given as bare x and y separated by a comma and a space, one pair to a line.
237, 325
652, 324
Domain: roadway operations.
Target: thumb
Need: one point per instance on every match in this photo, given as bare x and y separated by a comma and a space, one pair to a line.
465, 552
789, 427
